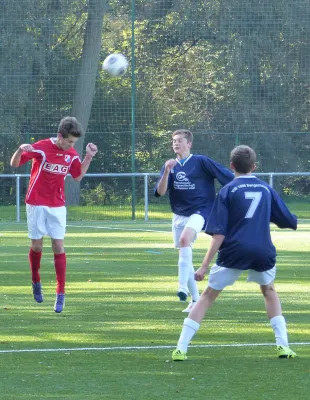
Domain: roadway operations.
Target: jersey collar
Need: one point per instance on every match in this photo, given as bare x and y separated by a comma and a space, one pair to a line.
245, 176
185, 161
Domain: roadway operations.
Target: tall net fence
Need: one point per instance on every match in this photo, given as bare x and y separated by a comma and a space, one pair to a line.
232, 71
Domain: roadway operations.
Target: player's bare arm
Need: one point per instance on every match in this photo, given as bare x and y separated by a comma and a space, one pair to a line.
163, 183
91, 151
15, 160
215, 244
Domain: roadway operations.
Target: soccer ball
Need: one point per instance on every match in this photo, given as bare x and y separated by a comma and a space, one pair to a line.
115, 64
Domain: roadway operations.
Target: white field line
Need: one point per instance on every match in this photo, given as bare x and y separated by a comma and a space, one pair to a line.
120, 348
129, 229
116, 228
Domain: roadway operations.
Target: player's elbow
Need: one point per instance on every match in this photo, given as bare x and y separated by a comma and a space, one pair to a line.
14, 164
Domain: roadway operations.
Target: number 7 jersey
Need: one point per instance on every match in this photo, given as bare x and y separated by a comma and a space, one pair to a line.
242, 213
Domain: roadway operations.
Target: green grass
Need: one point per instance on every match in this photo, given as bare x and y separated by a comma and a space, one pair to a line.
121, 285
156, 212
123, 212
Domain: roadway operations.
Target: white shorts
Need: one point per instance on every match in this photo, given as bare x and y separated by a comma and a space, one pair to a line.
43, 220
179, 222
220, 277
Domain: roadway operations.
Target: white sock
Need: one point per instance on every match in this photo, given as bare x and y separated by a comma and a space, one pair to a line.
190, 327
184, 263
192, 285
279, 327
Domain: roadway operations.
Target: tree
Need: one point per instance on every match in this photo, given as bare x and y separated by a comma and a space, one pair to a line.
85, 85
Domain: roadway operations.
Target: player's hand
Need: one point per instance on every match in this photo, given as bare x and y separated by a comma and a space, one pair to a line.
91, 149
200, 273
26, 147
169, 164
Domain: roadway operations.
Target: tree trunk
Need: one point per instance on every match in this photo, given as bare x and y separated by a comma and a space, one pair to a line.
85, 86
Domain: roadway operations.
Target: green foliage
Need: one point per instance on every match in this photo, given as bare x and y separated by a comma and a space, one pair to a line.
97, 196
231, 71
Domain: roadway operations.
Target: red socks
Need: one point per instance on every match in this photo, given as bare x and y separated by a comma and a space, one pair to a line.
60, 268
34, 260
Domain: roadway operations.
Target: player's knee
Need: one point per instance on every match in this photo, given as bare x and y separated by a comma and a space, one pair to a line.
58, 246
37, 248
209, 294
185, 241
267, 290
58, 250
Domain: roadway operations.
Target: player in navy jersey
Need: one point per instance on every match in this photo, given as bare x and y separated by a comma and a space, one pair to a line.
190, 181
52, 159
240, 225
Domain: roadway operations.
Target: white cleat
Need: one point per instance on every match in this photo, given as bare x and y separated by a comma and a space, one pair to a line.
189, 307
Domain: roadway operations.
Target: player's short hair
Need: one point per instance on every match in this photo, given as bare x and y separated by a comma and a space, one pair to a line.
243, 158
188, 134
70, 126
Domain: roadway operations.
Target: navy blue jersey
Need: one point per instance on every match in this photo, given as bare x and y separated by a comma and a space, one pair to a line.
242, 213
191, 185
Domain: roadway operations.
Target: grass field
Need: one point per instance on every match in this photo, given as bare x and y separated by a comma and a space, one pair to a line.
122, 319
123, 212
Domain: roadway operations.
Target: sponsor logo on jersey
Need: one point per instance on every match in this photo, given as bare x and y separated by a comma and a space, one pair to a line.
67, 158
182, 182
55, 168
181, 177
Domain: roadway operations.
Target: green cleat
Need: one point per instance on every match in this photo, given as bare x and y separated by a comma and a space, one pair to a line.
285, 352
178, 355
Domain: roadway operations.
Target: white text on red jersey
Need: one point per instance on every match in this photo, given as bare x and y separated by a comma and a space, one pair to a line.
55, 168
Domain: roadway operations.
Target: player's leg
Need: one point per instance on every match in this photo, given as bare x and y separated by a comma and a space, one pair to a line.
185, 265
35, 254
36, 231
56, 229
219, 278
60, 262
274, 310
192, 323
178, 224
192, 227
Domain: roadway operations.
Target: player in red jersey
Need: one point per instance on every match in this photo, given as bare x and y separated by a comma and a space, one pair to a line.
52, 159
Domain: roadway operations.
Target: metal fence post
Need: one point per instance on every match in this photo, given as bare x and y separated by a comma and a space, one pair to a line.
271, 180
146, 197
17, 198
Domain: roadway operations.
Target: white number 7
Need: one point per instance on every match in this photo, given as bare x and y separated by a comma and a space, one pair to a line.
256, 198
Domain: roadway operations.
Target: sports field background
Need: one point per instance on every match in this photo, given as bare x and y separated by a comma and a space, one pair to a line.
122, 319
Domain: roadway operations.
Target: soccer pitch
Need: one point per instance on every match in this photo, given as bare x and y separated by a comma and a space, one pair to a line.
122, 319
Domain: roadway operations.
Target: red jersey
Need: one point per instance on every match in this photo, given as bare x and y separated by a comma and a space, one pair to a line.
50, 165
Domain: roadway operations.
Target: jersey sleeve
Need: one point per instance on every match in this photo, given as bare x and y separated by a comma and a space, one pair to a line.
156, 194
218, 171
280, 214
29, 155
26, 156
218, 219
75, 167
